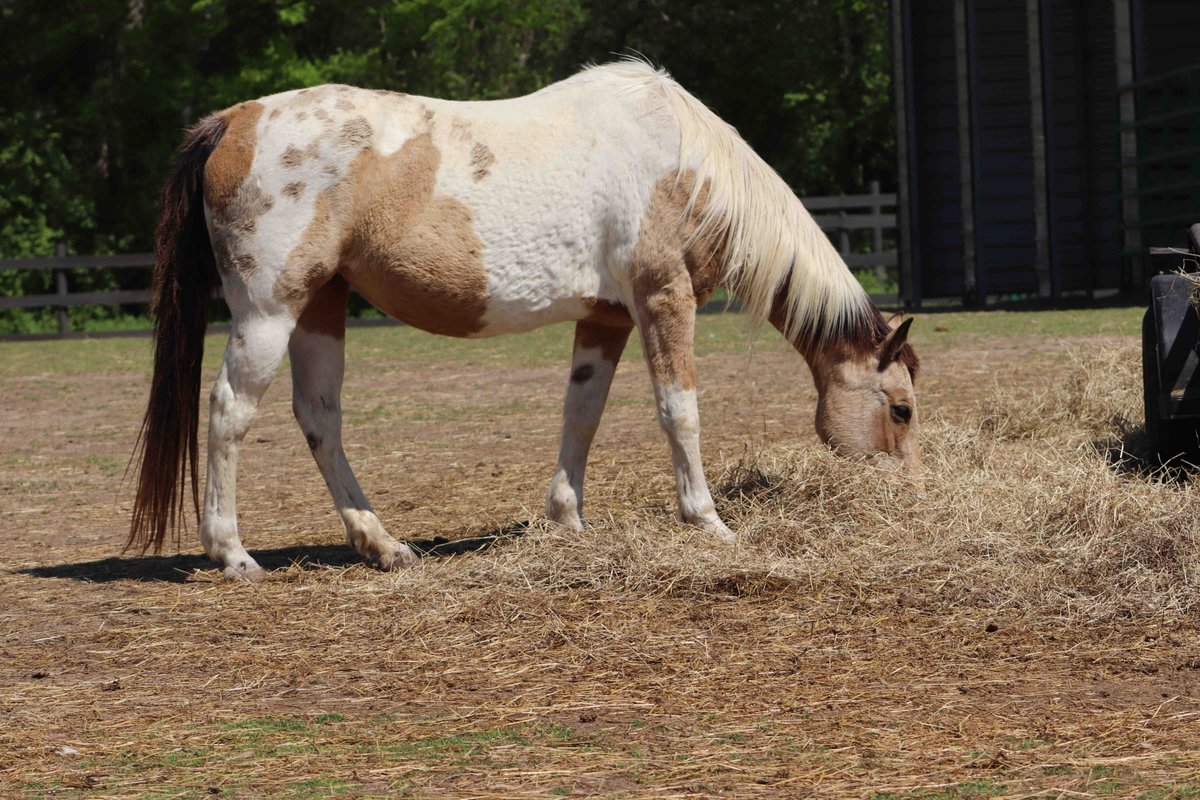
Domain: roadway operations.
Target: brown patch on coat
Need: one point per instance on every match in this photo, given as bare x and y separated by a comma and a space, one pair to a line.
293, 157
355, 134
607, 312
609, 339
672, 272
241, 213
413, 254
315, 257
322, 115
326, 311
482, 159
244, 265
305, 97
275, 113
294, 190
229, 165
301, 116
343, 104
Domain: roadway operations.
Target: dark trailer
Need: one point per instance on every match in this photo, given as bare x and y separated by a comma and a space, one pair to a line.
1044, 146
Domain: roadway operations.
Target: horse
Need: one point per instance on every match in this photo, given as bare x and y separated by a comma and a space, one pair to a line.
613, 199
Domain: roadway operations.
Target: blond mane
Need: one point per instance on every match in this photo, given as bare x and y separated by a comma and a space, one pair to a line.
773, 247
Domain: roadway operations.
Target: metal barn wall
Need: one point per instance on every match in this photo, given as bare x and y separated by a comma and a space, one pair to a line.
1166, 35
1079, 60
1011, 147
936, 221
1162, 160
1002, 158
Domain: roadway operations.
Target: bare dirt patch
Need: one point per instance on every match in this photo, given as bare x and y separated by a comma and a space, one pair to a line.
1030, 628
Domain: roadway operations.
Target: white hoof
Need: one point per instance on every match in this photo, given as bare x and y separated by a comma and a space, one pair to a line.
567, 520
718, 530
247, 571
396, 557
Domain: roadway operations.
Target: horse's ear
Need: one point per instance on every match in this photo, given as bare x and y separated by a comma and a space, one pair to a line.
889, 351
894, 320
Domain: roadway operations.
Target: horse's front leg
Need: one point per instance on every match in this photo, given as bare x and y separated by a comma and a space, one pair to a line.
593, 364
666, 317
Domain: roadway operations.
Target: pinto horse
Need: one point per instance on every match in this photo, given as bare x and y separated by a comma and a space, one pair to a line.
613, 199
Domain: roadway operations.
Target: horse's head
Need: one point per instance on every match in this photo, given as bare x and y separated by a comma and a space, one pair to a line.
866, 402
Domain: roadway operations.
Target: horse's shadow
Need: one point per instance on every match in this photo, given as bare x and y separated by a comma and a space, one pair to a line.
178, 568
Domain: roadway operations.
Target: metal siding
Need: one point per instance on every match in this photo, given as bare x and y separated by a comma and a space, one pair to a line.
1004, 199
935, 102
1102, 198
1168, 33
1085, 136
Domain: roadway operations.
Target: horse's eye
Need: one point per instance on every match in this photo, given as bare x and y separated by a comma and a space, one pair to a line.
901, 413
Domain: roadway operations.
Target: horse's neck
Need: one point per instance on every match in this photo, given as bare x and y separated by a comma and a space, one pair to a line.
822, 361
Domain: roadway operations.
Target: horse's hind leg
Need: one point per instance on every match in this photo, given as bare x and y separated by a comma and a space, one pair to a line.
666, 317
593, 363
256, 346
318, 363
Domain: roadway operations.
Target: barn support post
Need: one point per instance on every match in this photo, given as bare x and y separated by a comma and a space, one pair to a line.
909, 272
1127, 109
964, 58
1039, 92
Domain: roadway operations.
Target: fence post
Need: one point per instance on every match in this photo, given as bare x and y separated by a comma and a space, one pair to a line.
60, 289
877, 229
843, 231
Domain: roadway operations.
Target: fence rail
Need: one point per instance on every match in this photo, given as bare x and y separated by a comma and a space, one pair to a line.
838, 216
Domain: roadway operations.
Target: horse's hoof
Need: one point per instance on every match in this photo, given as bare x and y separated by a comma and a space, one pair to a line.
719, 531
399, 557
570, 522
248, 573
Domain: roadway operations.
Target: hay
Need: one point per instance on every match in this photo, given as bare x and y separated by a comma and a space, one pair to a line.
1028, 628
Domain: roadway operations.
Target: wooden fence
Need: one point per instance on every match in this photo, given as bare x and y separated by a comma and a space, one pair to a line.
839, 216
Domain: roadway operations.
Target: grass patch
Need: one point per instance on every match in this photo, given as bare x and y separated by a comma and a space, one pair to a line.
396, 345
970, 790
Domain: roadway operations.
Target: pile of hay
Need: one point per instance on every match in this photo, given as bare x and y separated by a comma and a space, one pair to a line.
1038, 501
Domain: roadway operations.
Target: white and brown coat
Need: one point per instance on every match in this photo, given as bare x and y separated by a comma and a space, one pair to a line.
612, 199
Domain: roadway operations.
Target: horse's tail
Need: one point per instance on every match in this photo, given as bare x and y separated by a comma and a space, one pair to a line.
185, 276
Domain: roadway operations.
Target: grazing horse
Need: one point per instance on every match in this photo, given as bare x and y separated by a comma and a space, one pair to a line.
613, 199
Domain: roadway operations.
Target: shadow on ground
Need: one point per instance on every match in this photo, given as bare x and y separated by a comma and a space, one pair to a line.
177, 569
1128, 453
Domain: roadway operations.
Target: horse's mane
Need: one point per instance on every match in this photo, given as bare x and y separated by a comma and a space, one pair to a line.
772, 246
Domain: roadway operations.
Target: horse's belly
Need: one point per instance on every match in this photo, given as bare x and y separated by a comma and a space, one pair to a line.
448, 285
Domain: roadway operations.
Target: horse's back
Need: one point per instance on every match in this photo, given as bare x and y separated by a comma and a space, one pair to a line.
463, 218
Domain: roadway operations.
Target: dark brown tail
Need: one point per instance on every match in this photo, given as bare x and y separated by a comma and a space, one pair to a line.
185, 275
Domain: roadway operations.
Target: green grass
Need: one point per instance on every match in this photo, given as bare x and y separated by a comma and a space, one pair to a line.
947, 326
973, 790
1179, 791
716, 334
238, 750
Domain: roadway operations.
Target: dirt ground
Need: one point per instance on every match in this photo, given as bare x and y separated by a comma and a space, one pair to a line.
856, 643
